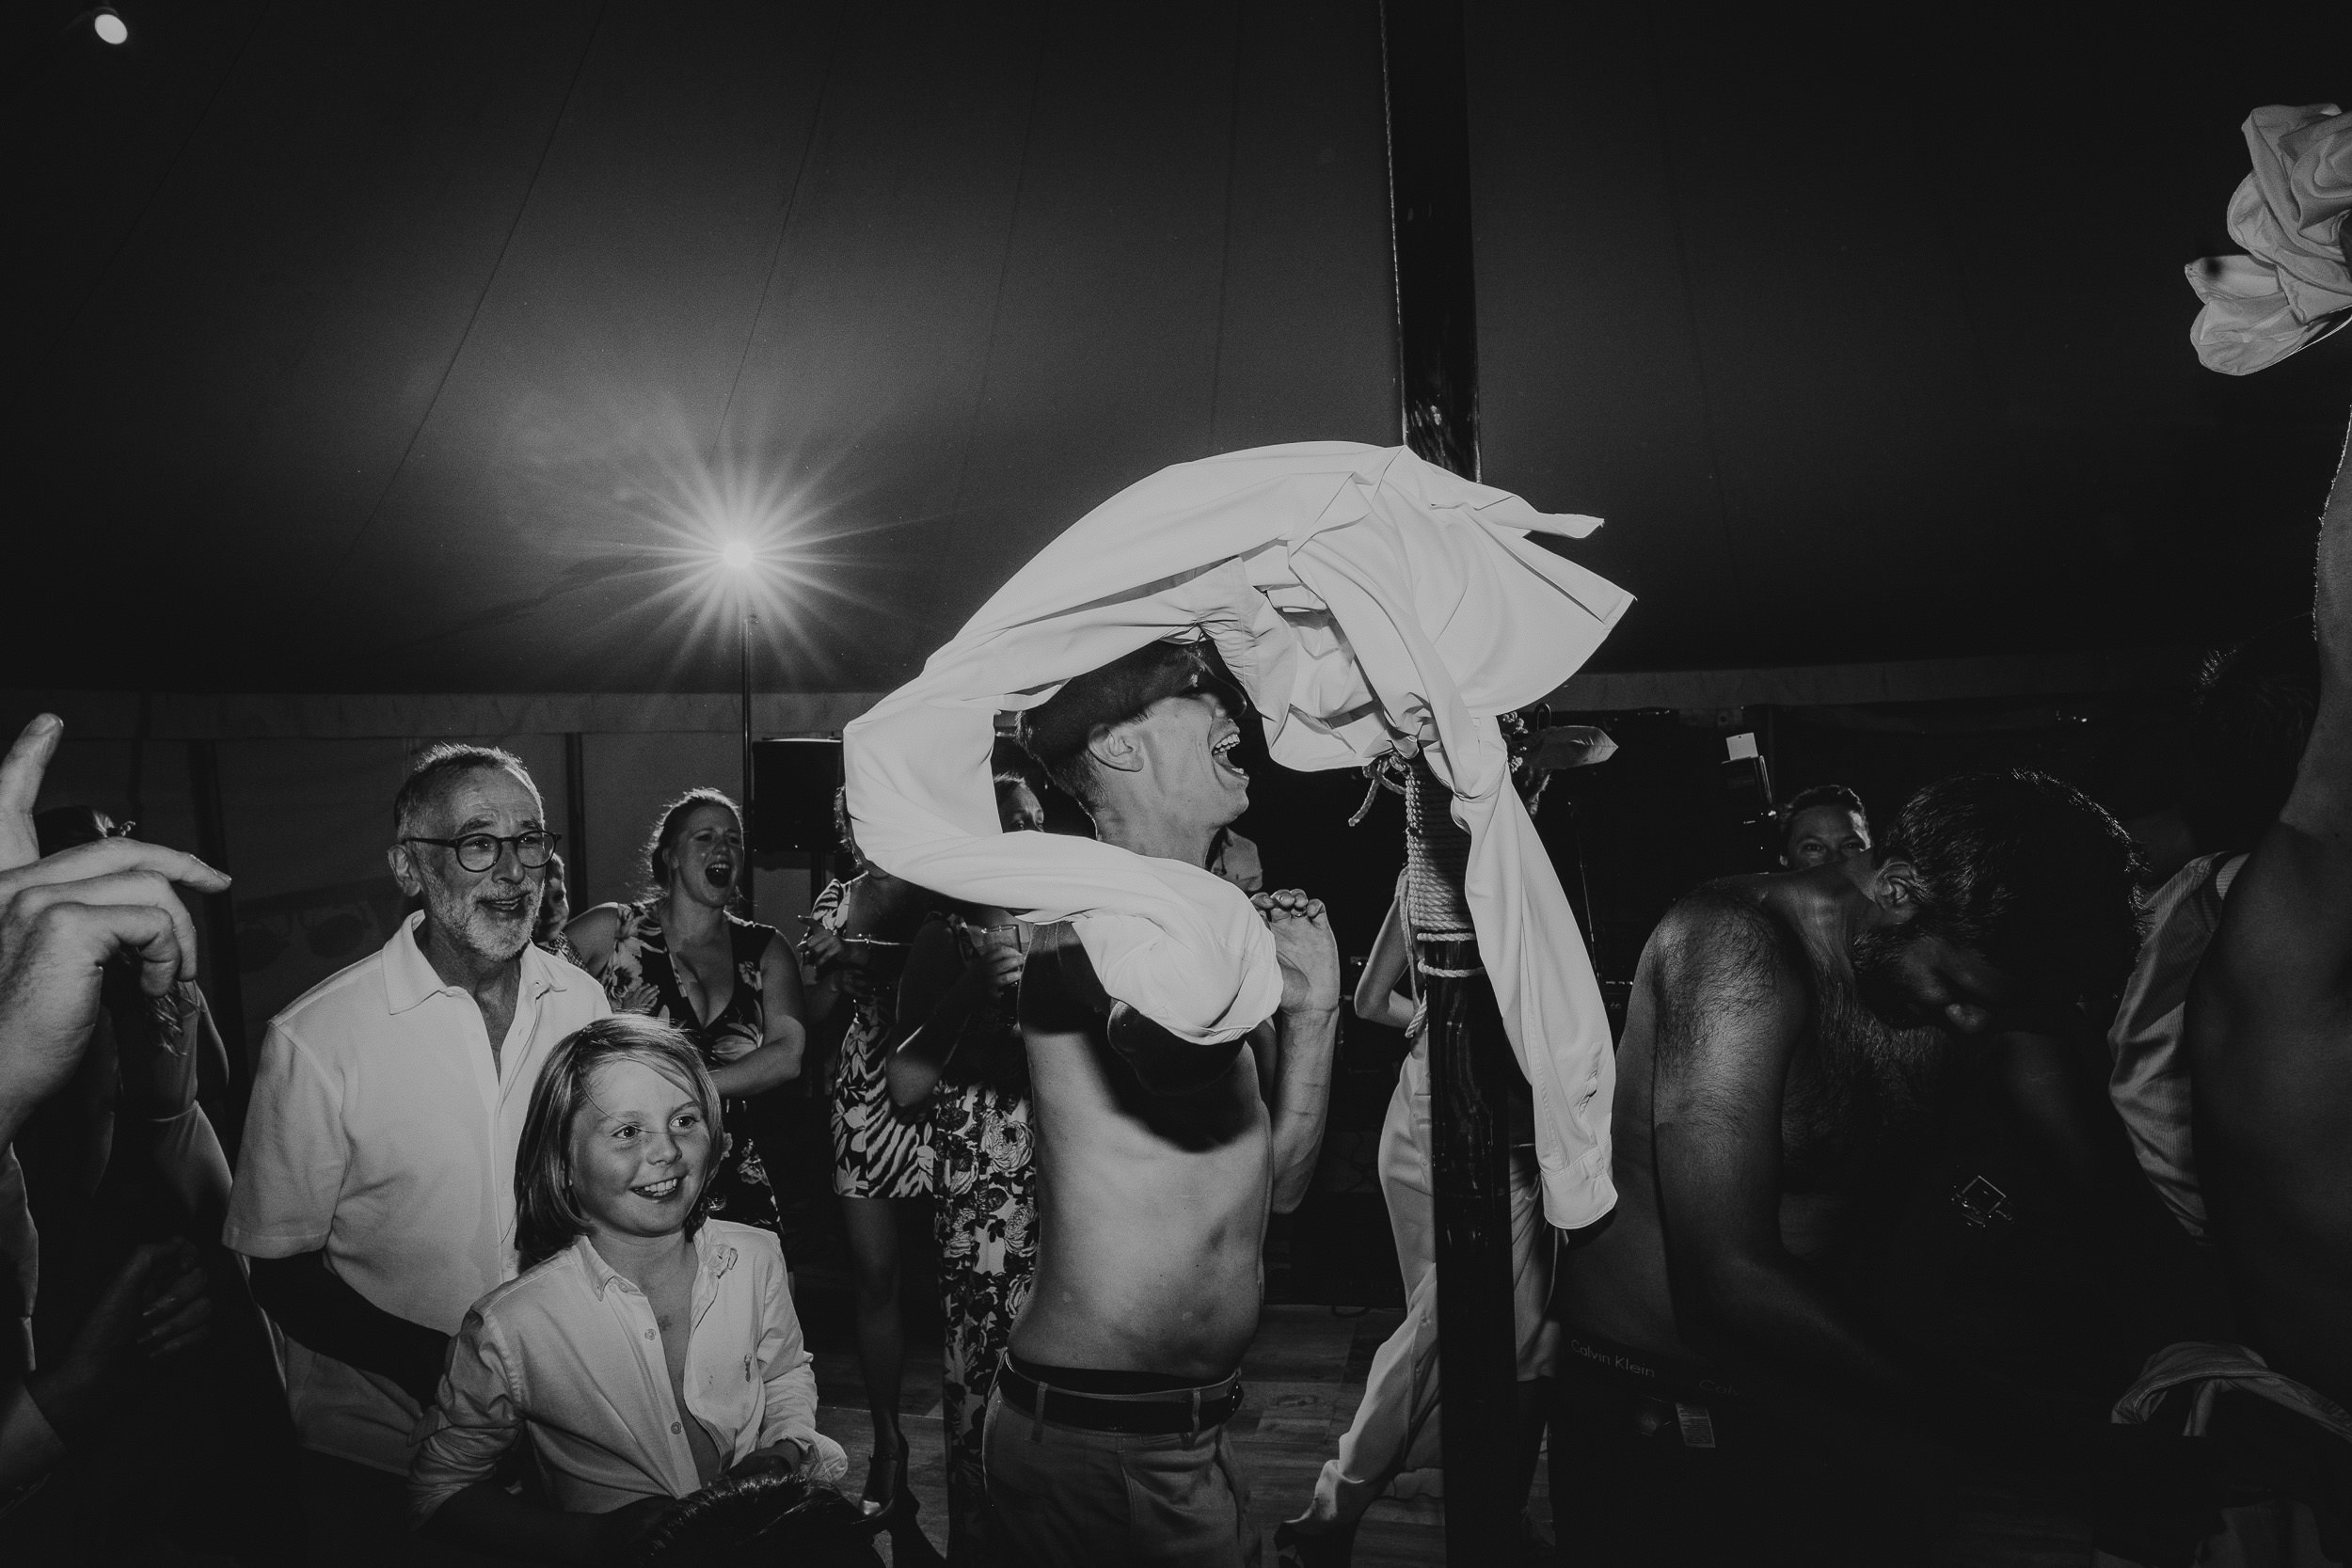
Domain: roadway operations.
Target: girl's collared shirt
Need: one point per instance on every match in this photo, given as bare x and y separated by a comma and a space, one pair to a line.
570, 1351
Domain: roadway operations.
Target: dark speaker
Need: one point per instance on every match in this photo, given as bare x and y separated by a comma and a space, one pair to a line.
793, 785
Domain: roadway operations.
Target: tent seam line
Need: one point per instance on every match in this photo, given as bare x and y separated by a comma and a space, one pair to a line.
482, 298
1225, 247
1004, 272
131, 233
784, 228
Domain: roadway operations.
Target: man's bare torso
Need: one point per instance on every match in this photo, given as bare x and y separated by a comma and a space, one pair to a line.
1841, 1119
1151, 1211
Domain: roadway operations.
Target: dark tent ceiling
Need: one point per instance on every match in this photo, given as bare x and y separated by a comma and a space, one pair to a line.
429, 347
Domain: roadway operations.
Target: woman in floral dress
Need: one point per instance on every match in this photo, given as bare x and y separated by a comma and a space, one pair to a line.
961, 1054
733, 986
857, 942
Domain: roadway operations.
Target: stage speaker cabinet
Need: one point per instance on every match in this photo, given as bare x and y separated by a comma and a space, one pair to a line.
792, 783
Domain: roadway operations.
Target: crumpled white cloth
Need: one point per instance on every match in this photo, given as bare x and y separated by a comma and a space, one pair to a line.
2273, 1533
2294, 287
1354, 592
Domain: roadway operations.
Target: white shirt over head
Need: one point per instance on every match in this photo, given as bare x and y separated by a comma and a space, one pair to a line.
1359, 595
380, 1131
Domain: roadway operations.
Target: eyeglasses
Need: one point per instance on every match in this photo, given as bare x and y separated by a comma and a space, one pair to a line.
481, 851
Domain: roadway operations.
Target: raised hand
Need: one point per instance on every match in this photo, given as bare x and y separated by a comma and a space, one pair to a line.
1304, 946
823, 946
20, 787
63, 919
997, 968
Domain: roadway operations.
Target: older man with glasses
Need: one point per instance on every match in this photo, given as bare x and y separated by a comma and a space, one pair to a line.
374, 1191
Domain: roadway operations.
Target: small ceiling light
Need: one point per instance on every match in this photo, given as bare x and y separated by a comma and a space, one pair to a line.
737, 556
110, 26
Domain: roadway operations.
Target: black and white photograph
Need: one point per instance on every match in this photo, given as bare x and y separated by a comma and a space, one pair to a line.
1219, 783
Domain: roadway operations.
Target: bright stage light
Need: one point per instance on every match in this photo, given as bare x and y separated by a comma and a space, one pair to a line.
737, 556
109, 26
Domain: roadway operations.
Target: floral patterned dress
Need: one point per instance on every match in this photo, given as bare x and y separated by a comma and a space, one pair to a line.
982, 1165
641, 979
877, 1147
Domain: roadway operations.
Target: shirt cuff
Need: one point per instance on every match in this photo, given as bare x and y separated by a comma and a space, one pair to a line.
250, 1242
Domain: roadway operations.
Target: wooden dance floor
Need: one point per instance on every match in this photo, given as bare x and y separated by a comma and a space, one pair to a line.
1304, 1374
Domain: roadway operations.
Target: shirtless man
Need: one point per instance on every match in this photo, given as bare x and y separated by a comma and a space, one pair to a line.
2268, 1018
1159, 1161
1785, 1040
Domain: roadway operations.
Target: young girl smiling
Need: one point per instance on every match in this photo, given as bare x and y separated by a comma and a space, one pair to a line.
646, 1351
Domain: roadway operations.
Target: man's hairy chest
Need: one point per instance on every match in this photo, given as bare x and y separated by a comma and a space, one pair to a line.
1857, 1096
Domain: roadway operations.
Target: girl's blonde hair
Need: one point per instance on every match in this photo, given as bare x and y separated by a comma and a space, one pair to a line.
548, 1218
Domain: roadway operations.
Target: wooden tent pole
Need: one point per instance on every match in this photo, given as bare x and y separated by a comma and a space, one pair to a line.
1470, 1070
751, 894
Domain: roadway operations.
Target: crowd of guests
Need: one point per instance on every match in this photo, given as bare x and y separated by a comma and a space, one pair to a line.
499, 1270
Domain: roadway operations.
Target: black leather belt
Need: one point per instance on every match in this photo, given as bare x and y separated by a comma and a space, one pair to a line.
1164, 1413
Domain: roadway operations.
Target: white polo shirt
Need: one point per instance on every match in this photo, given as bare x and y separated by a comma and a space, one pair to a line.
379, 1130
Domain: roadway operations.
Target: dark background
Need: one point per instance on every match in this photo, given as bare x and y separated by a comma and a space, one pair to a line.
431, 348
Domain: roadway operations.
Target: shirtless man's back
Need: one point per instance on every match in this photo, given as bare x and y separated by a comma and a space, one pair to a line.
1159, 1161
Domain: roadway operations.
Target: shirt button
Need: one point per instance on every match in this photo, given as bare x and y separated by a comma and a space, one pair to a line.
649, 1334
676, 1428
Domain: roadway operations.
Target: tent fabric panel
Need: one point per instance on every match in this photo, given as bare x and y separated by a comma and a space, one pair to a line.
603, 351
270, 338
1305, 346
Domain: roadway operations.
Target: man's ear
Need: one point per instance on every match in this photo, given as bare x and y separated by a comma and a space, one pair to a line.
403, 861
1895, 888
1113, 746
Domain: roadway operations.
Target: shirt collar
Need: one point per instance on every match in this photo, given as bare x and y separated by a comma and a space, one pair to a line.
713, 1257
409, 977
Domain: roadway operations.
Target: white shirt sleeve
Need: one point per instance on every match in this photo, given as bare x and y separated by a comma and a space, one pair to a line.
290, 1168
470, 1426
788, 1371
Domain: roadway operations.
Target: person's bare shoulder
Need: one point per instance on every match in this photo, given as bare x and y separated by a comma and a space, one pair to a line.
593, 932
1727, 951
1742, 909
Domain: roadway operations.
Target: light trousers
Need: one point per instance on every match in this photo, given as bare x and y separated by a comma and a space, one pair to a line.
1395, 1429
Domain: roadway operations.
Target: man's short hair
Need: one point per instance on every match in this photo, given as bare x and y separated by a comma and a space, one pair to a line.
432, 771
2249, 722
1056, 732
2031, 874
1833, 795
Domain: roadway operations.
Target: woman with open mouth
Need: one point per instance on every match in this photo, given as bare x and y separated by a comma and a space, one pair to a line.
681, 956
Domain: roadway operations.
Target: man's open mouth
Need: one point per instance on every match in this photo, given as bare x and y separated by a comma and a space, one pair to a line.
659, 1191
508, 909
1222, 752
